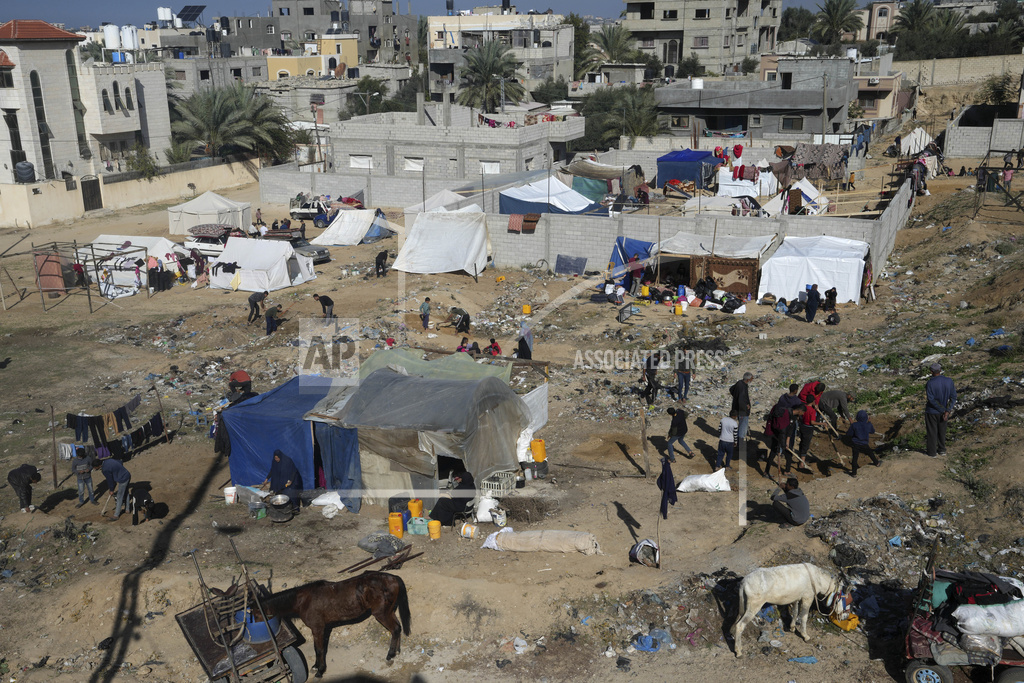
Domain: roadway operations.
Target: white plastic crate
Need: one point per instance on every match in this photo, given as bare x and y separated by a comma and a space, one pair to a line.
499, 484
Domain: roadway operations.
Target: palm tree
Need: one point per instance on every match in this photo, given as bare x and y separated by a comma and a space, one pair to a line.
947, 27
482, 76
233, 118
635, 116
612, 44
914, 17
835, 18
1004, 37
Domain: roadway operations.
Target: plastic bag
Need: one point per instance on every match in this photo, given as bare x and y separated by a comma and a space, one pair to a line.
329, 498
330, 511
381, 544
1006, 620
705, 482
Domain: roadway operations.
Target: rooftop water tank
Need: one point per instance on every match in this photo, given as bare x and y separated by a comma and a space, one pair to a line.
24, 172
111, 37
163, 14
129, 38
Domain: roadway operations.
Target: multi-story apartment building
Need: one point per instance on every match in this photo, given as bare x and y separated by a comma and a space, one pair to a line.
722, 33
877, 20
385, 36
66, 118
543, 43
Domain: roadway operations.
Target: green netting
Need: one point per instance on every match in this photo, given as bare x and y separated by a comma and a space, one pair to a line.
455, 366
594, 190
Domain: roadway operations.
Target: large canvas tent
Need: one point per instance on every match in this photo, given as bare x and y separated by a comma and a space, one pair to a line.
117, 255
549, 195
914, 142
445, 199
684, 165
726, 246
357, 226
262, 266
208, 207
445, 243
822, 260
733, 262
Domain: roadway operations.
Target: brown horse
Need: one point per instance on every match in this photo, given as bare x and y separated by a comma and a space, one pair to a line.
321, 604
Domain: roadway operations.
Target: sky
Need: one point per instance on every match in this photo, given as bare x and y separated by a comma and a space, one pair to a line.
75, 13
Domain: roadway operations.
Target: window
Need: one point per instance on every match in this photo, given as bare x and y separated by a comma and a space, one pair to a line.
702, 14
490, 167
106, 102
310, 72
238, 23
283, 74
118, 104
787, 81
883, 13
7, 78
387, 43
307, 11
309, 35
179, 75
360, 161
700, 42
792, 123
728, 13
44, 130
440, 35
670, 14
725, 41
413, 164
286, 35
867, 102
680, 121
739, 40
204, 74
285, 11
270, 29
128, 100
236, 74
755, 120
771, 76
647, 43
77, 106
387, 19
257, 71
14, 133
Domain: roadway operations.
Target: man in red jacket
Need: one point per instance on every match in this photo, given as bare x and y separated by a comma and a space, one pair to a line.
812, 391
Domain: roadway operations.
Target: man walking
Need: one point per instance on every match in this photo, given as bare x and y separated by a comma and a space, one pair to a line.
255, 299
727, 440
327, 303
835, 404
940, 393
425, 313
118, 479
21, 480
741, 403
649, 377
791, 503
81, 467
676, 431
684, 373
813, 302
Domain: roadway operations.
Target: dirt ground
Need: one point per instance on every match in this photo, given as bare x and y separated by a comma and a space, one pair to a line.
84, 598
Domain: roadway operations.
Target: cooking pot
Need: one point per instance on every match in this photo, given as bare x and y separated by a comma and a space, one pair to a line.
281, 509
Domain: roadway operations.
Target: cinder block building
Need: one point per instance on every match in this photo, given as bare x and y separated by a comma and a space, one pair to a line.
722, 33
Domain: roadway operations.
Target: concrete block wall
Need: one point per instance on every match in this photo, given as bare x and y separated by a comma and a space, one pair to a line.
1007, 134
593, 236
967, 142
278, 184
648, 160
953, 71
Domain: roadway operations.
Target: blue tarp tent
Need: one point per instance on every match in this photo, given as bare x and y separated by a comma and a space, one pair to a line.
624, 249
274, 420
548, 195
683, 164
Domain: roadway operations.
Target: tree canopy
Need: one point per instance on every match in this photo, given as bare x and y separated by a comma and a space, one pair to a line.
482, 76
796, 22
836, 17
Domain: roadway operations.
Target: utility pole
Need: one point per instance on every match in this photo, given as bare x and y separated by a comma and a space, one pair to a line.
824, 106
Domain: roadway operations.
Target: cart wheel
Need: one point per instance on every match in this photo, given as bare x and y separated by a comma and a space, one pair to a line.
293, 658
1014, 675
920, 671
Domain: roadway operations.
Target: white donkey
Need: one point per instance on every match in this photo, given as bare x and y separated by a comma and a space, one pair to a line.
788, 584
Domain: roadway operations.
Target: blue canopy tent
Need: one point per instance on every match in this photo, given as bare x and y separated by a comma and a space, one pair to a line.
684, 165
623, 250
274, 420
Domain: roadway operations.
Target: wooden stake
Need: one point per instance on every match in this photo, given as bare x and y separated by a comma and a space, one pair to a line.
643, 438
167, 438
53, 433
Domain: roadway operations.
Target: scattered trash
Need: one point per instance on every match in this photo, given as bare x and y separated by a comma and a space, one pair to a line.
803, 660
520, 645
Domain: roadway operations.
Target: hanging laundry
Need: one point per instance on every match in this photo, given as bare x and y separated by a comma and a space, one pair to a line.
121, 415
156, 424
515, 222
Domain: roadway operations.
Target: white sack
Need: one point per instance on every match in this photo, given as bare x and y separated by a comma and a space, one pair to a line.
1005, 621
705, 482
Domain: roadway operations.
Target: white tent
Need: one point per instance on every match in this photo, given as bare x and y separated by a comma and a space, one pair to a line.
549, 195
353, 227
823, 260
208, 207
123, 251
263, 266
719, 205
814, 202
445, 199
726, 246
766, 184
914, 141
445, 243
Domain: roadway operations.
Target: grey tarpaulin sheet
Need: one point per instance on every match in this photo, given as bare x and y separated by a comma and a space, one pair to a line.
570, 265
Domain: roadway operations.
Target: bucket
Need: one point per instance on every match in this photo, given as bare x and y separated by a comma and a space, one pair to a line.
395, 524
257, 510
468, 530
645, 290
434, 529
229, 494
526, 309
540, 470
257, 631
679, 309
540, 452
416, 507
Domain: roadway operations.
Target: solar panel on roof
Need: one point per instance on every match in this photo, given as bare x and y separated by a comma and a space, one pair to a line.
191, 12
